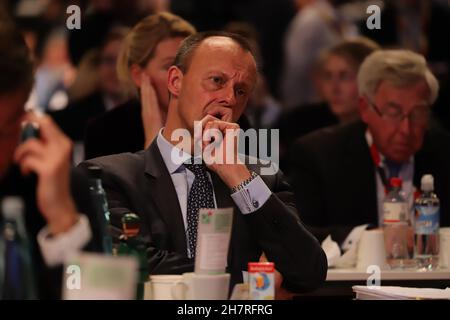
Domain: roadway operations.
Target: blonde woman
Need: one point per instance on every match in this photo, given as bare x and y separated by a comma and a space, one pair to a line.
148, 52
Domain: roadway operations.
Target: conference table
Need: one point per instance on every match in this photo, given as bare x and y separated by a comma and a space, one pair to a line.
339, 282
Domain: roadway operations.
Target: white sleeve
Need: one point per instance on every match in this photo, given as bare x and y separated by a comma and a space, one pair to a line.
56, 250
253, 196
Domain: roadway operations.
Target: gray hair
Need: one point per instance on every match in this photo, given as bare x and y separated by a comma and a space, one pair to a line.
399, 68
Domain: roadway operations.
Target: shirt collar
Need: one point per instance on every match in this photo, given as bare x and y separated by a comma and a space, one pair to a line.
173, 156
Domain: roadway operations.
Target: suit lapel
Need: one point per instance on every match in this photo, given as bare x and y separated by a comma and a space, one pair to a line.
165, 197
360, 165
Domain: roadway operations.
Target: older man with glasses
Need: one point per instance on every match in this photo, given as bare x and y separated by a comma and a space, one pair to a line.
341, 173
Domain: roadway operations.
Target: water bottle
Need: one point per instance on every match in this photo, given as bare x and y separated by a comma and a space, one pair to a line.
101, 206
397, 227
17, 281
426, 226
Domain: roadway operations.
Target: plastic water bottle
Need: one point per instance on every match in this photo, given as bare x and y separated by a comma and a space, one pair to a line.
426, 226
17, 281
101, 206
397, 227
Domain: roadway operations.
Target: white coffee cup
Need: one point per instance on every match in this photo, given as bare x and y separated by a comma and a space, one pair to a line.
195, 286
371, 250
162, 287
444, 247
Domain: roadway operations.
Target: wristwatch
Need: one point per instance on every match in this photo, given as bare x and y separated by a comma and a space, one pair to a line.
244, 183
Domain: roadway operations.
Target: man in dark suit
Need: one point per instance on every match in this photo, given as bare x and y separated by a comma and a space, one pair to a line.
210, 82
38, 172
340, 174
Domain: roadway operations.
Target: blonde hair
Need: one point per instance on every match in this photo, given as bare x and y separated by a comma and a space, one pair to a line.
399, 68
140, 43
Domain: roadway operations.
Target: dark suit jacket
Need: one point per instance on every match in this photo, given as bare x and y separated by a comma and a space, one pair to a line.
116, 131
300, 121
49, 280
74, 119
141, 183
334, 178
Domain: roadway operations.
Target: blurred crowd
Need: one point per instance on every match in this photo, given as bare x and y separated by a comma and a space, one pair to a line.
308, 52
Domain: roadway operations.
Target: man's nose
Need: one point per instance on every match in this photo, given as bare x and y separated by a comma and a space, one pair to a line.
228, 97
405, 125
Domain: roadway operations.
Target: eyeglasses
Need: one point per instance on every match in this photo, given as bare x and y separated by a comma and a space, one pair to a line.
394, 114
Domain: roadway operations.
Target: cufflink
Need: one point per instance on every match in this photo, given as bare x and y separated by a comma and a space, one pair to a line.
255, 204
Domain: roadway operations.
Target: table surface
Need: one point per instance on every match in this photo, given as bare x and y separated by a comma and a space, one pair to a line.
359, 275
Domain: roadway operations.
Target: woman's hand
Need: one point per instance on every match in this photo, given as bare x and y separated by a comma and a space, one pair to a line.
152, 119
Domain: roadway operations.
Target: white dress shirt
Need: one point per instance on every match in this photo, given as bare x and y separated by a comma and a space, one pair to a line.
248, 200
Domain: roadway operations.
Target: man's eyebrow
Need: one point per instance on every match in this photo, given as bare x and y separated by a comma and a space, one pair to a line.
168, 59
216, 72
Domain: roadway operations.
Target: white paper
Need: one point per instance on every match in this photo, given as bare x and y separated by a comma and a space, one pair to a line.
347, 259
91, 276
400, 293
213, 240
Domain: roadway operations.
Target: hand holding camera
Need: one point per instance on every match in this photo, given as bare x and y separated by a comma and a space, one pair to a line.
46, 151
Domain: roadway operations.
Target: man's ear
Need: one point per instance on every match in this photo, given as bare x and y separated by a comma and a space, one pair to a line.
174, 80
363, 108
136, 74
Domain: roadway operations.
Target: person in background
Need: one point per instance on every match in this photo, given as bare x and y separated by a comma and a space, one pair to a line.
54, 74
317, 26
58, 211
109, 94
340, 173
263, 110
420, 26
337, 70
146, 55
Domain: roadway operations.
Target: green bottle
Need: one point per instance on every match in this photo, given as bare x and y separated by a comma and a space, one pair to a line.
132, 245
100, 203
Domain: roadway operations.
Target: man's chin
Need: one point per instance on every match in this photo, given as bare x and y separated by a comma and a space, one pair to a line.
400, 156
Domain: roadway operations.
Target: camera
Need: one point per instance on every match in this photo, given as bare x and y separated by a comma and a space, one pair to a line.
29, 130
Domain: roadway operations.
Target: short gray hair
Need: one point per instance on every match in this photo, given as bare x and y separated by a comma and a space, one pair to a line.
399, 68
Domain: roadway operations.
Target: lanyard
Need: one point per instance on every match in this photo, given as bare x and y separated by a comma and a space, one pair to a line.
378, 165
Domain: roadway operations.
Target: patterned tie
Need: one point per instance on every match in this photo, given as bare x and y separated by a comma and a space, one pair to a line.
200, 196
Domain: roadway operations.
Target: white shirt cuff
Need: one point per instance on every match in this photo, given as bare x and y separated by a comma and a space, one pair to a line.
58, 249
253, 196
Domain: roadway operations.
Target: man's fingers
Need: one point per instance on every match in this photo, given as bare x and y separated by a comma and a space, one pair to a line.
47, 128
221, 112
31, 146
208, 118
31, 164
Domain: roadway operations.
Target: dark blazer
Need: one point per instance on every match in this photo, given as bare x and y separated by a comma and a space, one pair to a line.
49, 280
74, 119
333, 176
300, 121
116, 131
141, 183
